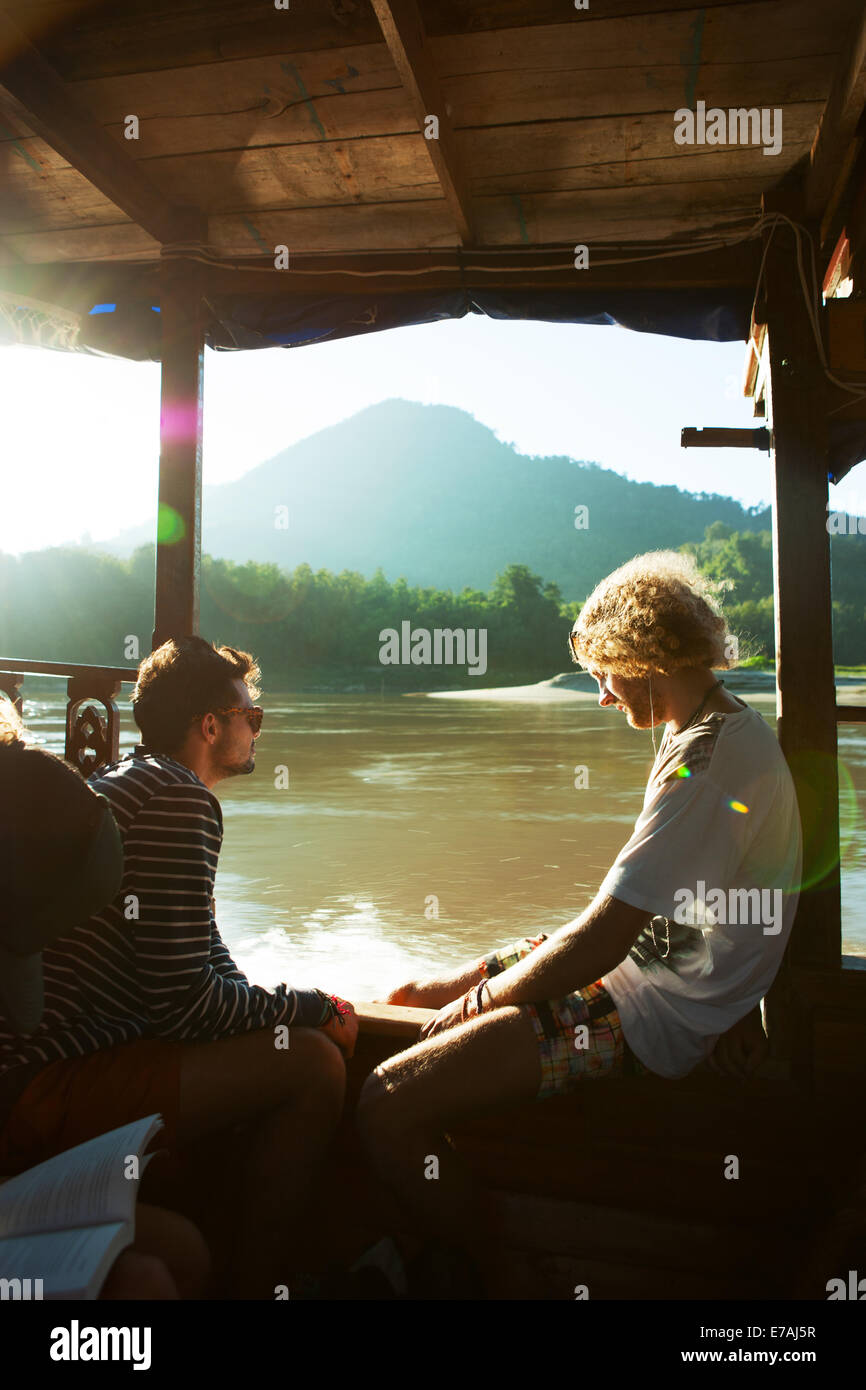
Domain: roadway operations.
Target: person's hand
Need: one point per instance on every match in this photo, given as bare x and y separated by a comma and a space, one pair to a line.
742, 1049
343, 1030
403, 994
446, 1018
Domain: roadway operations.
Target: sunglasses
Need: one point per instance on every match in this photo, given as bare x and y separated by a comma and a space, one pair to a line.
254, 714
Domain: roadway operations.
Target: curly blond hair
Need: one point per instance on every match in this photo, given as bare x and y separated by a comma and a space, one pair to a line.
12, 728
656, 613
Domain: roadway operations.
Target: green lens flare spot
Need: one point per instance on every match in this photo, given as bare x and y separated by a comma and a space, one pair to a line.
814, 774
684, 772
170, 527
738, 806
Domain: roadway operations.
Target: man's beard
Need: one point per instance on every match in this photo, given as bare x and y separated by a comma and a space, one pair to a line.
236, 768
638, 710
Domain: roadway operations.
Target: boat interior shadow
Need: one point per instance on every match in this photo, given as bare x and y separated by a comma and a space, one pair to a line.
707, 1187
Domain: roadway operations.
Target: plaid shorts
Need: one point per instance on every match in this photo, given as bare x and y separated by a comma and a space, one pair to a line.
579, 1036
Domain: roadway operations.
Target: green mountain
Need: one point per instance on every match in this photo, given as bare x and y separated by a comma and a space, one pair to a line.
428, 493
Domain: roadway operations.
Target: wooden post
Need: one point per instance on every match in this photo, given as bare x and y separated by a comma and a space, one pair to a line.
805, 682
178, 552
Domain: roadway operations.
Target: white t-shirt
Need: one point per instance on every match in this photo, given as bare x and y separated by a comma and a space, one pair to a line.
717, 851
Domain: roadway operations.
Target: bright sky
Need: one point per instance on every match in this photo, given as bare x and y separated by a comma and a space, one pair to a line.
80, 435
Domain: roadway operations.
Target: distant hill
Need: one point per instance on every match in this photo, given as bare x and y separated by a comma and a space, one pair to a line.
426, 492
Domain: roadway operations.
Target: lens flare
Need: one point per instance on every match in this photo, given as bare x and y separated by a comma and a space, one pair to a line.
170, 525
812, 773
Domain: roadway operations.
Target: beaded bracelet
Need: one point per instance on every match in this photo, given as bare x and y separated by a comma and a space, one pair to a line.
341, 1008
472, 1004
332, 1007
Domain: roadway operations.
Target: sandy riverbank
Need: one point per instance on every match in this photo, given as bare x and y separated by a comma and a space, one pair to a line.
756, 687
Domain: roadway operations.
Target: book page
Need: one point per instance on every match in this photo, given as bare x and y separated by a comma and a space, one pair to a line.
70, 1264
83, 1186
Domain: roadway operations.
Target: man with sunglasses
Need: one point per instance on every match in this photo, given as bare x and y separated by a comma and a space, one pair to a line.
147, 1012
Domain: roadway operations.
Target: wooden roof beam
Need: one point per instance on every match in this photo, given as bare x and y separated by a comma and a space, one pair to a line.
403, 31
835, 146
33, 92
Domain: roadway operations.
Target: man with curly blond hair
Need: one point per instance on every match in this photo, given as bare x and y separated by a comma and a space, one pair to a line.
666, 968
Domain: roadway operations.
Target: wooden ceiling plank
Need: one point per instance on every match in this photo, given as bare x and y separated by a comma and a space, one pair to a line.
600, 216
527, 152
533, 147
357, 227
489, 98
46, 209
781, 28
562, 219
123, 241
261, 105
469, 16
403, 32
593, 217
732, 165
143, 35
339, 173
361, 116
834, 149
269, 81
617, 152
31, 88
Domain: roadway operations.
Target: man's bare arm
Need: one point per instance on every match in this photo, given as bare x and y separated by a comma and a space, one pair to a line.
607, 929
576, 955
437, 991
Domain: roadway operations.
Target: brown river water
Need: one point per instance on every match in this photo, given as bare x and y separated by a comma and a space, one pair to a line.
417, 832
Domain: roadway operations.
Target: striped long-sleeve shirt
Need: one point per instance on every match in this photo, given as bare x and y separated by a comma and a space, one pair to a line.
152, 963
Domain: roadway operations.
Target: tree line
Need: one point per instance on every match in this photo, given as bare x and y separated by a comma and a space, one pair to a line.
322, 630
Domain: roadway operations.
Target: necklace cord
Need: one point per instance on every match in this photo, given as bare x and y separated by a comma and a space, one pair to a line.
692, 719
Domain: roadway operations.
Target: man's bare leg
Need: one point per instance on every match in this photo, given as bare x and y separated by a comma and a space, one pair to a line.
292, 1100
168, 1259
409, 1100
137, 1277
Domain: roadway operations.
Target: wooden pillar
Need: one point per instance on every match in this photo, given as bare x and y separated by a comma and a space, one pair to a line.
178, 552
805, 683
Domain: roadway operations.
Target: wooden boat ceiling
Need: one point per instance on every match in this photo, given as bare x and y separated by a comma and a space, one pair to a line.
295, 127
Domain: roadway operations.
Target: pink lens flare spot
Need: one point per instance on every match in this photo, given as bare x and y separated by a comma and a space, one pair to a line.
179, 421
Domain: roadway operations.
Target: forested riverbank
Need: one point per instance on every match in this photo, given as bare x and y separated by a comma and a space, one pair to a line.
320, 631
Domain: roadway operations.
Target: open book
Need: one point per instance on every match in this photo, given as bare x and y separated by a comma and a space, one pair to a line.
65, 1221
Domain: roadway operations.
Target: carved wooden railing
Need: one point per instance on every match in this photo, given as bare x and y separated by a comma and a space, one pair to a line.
92, 733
